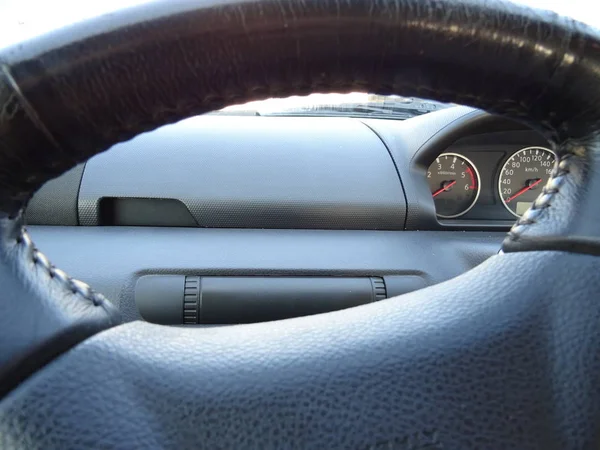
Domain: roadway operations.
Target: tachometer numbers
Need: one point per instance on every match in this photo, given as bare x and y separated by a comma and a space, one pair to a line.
454, 184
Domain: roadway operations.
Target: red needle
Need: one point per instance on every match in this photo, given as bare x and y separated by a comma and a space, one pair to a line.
525, 189
445, 188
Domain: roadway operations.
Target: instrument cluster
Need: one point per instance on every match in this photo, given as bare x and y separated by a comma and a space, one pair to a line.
496, 183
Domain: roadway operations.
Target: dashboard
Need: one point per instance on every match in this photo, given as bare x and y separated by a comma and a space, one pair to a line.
226, 196
479, 172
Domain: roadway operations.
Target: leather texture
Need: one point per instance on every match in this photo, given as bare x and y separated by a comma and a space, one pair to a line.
466, 364
43, 312
79, 90
505, 356
566, 215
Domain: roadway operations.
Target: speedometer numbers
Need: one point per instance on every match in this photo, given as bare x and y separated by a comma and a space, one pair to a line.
454, 184
523, 176
454, 181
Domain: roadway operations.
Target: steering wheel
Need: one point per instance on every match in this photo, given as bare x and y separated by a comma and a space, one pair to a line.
504, 356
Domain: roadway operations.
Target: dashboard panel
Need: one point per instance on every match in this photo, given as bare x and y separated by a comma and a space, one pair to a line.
277, 197
294, 173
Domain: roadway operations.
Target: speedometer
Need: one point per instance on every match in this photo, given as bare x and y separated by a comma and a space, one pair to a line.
523, 176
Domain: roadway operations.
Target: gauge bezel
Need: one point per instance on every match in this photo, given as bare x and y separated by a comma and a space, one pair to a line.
499, 190
478, 184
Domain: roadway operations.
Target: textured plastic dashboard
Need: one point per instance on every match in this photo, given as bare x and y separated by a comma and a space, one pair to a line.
255, 172
324, 165
112, 259
285, 173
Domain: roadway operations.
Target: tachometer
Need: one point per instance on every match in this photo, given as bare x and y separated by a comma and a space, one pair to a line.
523, 176
454, 184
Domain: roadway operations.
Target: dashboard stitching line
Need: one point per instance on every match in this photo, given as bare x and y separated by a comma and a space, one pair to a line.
532, 215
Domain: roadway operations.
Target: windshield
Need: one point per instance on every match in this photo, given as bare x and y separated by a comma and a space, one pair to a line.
355, 104
23, 19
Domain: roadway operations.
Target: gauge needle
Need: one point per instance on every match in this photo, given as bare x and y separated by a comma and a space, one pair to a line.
444, 188
525, 189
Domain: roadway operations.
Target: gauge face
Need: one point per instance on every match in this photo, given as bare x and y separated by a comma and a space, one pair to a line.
454, 184
523, 176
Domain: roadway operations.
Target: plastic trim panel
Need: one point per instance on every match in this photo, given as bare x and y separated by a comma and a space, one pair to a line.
112, 259
256, 172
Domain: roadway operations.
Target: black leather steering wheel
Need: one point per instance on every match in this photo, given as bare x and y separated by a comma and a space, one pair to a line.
504, 356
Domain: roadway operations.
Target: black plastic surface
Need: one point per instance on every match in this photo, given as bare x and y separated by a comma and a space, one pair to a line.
255, 172
403, 284
144, 212
56, 202
262, 299
178, 299
160, 299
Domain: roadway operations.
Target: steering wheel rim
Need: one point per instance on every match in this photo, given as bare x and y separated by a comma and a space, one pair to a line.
495, 358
